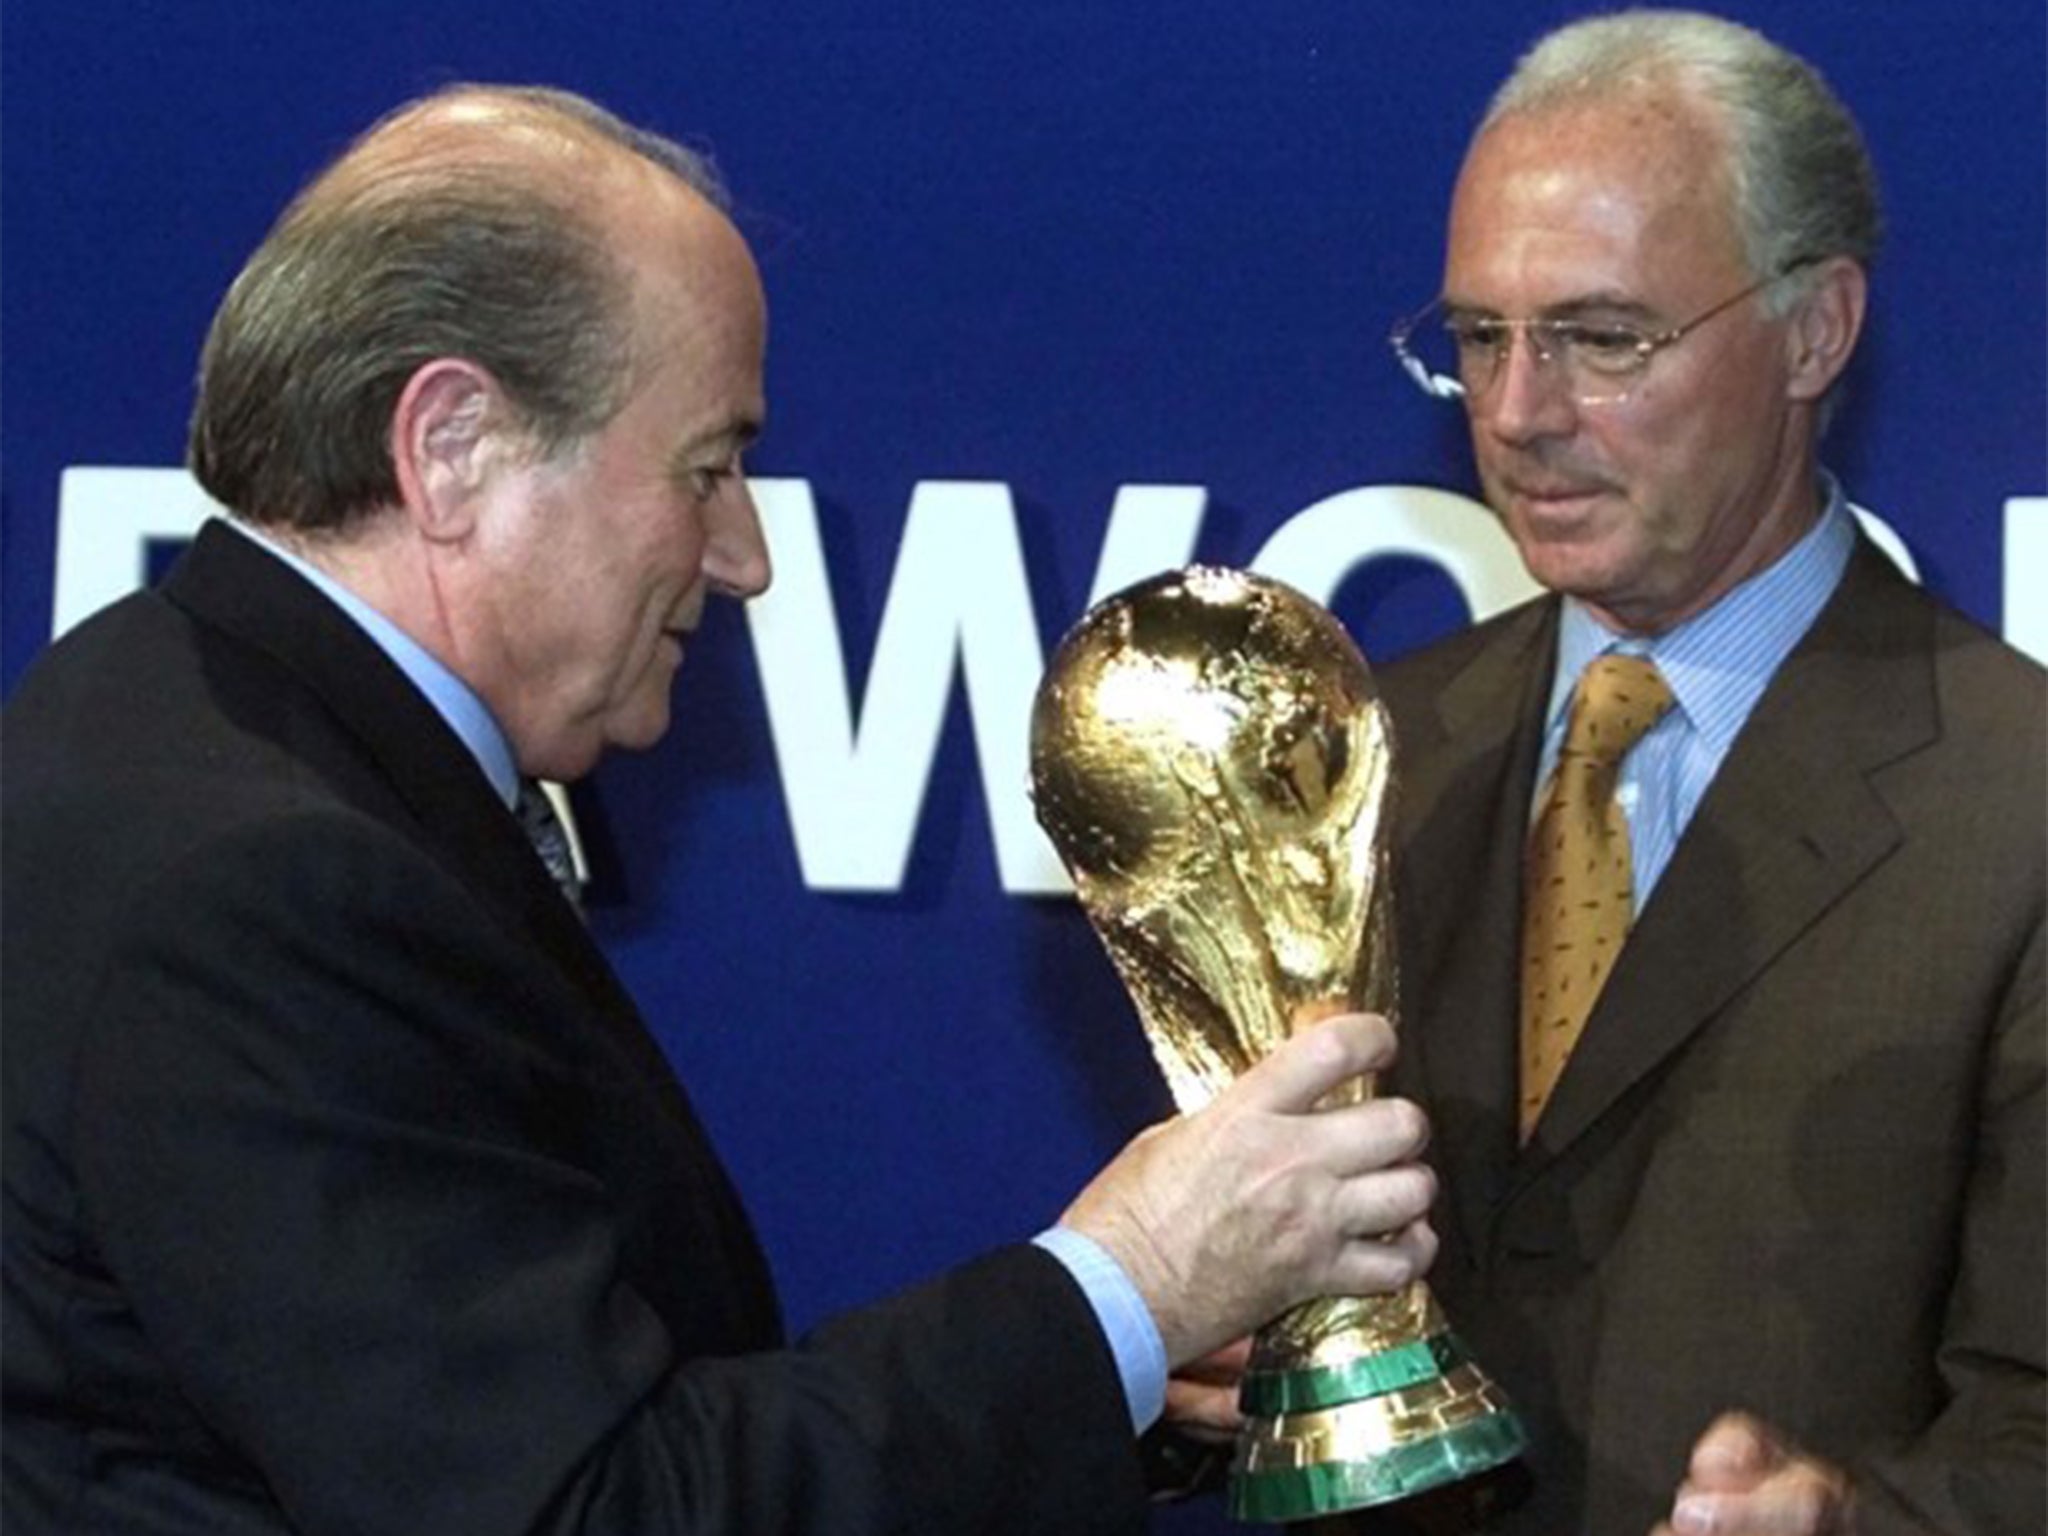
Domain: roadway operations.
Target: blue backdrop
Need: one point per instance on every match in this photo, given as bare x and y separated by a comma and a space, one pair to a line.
1026, 265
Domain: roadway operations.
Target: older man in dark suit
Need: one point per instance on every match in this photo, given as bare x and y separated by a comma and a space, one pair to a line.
1750, 1205
345, 1190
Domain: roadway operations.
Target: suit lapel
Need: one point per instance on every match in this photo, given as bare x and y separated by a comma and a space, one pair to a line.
448, 804
396, 759
1788, 827
1465, 810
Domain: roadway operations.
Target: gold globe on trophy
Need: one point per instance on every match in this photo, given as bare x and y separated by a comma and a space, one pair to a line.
1212, 762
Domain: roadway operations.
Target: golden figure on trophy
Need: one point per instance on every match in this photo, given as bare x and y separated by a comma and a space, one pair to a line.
1212, 762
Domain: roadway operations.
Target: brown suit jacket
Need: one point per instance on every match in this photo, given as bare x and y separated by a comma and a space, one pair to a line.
1796, 1165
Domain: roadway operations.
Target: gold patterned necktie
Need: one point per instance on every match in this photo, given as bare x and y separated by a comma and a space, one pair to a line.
1579, 892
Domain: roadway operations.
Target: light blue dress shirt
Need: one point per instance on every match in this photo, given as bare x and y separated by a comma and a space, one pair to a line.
1718, 664
1126, 1322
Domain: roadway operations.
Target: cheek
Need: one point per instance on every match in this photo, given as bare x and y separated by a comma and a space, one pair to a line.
636, 690
666, 537
1668, 467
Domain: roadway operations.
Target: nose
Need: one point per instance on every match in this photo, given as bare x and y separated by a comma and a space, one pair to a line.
1530, 395
736, 559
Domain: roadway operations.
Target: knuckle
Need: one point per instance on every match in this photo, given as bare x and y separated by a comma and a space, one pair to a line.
1427, 1246
1369, 1041
1335, 1045
1402, 1197
1425, 1182
1410, 1123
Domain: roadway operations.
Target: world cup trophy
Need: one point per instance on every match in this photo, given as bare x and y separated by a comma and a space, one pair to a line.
1212, 762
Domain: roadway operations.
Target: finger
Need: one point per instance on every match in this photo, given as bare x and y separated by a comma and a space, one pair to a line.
1373, 1266
1310, 1064
1793, 1503
1203, 1412
1744, 1479
1223, 1367
1380, 1203
1363, 1138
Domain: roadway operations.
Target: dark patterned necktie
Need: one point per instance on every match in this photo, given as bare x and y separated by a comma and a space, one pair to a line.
550, 840
1579, 899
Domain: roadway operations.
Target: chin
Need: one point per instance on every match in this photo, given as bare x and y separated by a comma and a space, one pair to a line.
1582, 569
566, 764
640, 730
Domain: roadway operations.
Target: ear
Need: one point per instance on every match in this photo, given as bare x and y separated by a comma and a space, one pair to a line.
1825, 324
447, 436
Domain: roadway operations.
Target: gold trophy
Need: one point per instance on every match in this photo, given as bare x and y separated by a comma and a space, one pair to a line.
1211, 760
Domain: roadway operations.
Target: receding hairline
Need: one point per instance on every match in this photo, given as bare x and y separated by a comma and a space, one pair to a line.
1664, 87
1664, 107
534, 139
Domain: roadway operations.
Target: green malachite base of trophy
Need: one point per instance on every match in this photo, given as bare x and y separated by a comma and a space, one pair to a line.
1388, 1406
1211, 760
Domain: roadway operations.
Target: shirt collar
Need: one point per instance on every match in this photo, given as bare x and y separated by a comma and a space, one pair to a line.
1719, 661
453, 699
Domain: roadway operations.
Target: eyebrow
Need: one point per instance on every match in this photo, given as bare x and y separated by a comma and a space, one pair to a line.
1568, 309
735, 436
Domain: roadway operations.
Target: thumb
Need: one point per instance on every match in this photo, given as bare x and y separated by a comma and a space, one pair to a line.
1735, 1452
1315, 1060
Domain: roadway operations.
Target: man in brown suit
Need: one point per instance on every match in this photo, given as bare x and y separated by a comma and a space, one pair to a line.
1768, 1255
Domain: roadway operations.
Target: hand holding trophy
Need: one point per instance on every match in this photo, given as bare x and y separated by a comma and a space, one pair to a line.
1212, 763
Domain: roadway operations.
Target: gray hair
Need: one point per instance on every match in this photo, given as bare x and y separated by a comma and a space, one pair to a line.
1804, 187
371, 273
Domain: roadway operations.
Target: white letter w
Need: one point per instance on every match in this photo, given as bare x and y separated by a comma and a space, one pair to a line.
959, 591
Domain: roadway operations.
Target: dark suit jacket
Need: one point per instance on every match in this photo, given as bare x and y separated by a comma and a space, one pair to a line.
1796, 1164
345, 1191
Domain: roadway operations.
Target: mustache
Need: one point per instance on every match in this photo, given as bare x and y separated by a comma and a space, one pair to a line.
1543, 477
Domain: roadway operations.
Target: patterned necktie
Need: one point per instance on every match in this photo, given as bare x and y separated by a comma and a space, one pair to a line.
550, 839
1579, 896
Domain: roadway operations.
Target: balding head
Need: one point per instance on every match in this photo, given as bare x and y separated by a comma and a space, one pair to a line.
476, 223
